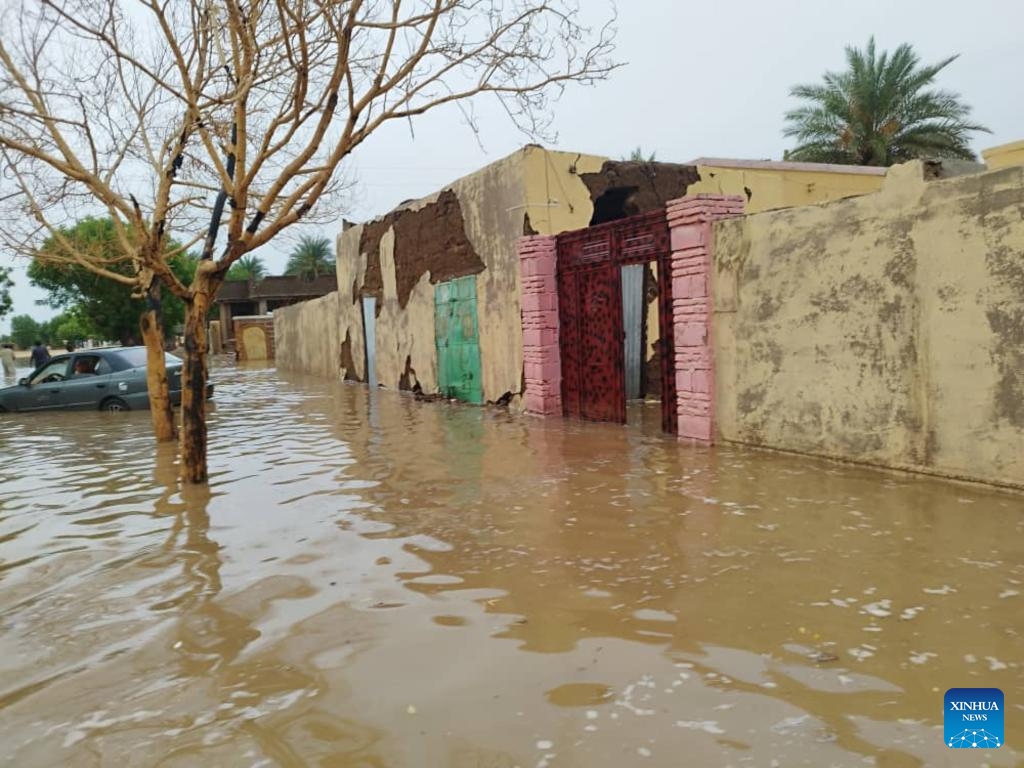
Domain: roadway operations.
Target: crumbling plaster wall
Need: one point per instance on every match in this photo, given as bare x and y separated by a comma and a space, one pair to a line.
886, 328
306, 336
493, 207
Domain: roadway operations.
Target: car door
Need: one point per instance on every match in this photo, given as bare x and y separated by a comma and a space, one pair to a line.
86, 390
46, 386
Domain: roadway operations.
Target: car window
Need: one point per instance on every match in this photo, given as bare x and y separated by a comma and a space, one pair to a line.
89, 365
55, 370
134, 357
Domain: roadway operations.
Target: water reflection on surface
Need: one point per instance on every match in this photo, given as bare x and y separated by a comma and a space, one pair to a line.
371, 581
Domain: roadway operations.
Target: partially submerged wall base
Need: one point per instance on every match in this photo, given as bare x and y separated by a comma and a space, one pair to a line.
886, 329
307, 337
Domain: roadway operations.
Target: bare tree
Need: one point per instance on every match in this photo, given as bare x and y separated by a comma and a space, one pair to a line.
226, 122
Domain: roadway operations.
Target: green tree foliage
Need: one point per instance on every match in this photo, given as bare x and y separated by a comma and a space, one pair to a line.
69, 326
247, 267
880, 111
311, 258
5, 291
25, 331
103, 307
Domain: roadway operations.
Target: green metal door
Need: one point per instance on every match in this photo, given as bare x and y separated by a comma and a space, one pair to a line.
458, 340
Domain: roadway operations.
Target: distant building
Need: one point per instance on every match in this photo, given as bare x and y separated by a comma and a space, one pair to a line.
243, 298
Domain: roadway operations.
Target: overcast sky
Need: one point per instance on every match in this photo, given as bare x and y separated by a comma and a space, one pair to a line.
700, 79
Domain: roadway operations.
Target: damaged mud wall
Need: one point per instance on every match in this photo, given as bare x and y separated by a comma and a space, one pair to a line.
470, 228
307, 336
887, 328
622, 189
427, 239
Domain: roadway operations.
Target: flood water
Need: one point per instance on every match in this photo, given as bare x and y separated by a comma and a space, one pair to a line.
372, 581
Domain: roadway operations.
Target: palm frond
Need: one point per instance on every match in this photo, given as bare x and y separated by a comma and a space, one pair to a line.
879, 111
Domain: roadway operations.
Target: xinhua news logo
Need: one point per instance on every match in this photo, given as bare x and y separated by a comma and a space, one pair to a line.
974, 718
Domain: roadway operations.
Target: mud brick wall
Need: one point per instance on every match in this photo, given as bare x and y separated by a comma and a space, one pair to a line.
542, 361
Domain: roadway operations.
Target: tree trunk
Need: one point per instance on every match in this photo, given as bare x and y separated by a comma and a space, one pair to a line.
194, 376
152, 327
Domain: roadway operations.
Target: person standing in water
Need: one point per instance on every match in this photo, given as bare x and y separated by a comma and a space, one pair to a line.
7, 360
40, 355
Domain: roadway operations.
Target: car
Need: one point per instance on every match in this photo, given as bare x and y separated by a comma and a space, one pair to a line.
106, 378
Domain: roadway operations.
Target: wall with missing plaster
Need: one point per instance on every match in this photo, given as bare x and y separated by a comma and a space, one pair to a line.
886, 328
469, 228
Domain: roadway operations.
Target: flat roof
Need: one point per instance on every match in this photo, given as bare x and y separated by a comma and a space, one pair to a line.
785, 165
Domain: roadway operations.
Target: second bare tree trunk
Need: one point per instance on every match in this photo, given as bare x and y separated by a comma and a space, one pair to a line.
151, 325
194, 377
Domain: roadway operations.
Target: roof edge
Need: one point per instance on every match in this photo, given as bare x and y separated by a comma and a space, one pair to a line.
786, 165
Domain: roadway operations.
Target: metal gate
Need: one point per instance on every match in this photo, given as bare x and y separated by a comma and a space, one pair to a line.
590, 310
458, 340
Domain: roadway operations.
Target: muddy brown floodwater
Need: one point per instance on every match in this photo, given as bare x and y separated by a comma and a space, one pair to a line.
372, 581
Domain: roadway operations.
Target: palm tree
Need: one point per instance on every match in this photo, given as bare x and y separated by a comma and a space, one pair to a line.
246, 268
311, 258
880, 111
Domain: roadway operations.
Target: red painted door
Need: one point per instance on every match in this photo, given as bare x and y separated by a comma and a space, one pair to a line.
602, 390
591, 330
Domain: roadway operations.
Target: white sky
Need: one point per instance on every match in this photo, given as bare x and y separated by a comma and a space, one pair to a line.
700, 80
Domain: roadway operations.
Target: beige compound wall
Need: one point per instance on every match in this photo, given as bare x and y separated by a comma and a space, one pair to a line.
306, 336
886, 328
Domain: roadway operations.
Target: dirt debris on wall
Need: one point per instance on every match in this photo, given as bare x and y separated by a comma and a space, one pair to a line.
528, 230
627, 188
348, 365
428, 239
408, 381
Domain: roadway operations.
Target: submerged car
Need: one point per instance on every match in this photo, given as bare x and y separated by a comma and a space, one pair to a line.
108, 379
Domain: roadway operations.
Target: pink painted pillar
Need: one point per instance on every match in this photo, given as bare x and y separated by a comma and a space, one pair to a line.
689, 221
542, 358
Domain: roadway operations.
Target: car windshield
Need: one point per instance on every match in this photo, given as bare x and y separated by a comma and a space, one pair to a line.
55, 370
135, 357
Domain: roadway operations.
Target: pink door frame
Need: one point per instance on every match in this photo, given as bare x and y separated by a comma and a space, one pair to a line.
690, 221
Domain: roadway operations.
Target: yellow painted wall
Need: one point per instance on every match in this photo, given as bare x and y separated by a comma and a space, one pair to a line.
1004, 156
556, 199
306, 336
884, 328
785, 185
494, 202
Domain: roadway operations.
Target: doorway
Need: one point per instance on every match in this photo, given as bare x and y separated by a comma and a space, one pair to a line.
615, 318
